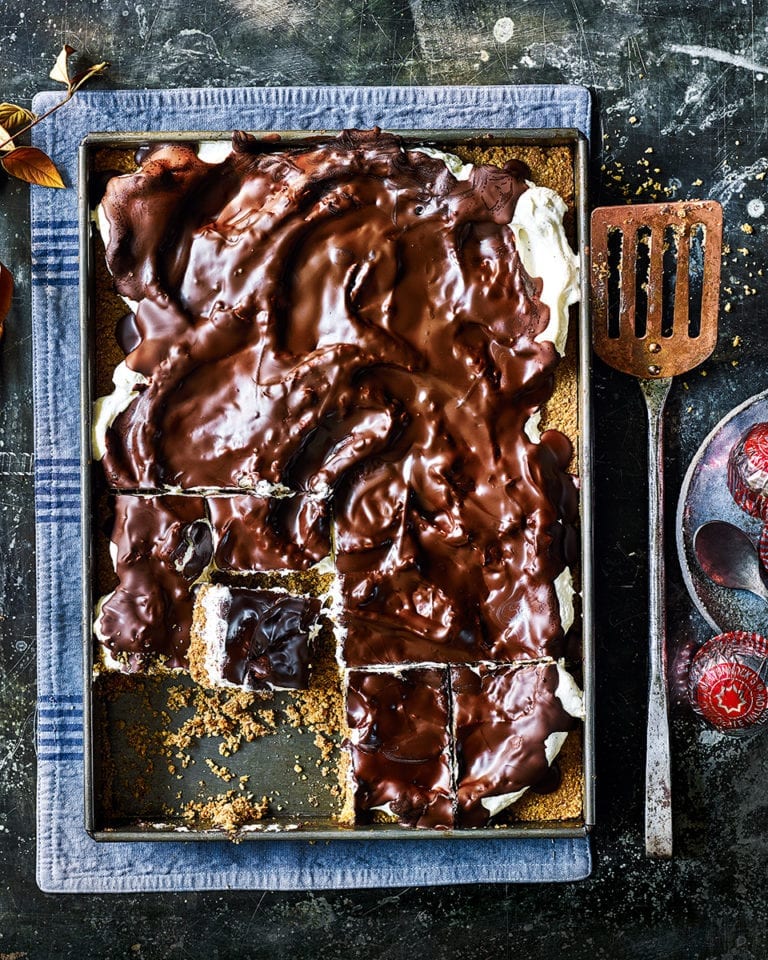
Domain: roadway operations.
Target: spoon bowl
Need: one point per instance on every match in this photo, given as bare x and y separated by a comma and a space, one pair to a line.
729, 558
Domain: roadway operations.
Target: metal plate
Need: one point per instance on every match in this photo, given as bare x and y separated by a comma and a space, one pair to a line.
705, 496
115, 768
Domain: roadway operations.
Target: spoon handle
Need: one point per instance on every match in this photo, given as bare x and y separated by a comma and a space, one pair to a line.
658, 780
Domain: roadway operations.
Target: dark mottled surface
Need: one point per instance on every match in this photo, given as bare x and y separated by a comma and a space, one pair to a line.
688, 82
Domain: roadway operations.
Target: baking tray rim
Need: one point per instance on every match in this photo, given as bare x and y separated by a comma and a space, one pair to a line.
273, 139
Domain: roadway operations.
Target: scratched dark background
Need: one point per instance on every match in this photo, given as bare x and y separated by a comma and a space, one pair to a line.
681, 91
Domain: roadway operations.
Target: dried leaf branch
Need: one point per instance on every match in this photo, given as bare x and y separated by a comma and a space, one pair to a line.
29, 163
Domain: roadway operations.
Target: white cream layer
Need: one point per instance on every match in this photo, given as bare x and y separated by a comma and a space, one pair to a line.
544, 250
108, 408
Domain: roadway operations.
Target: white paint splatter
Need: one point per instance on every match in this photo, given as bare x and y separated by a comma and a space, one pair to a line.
141, 16
503, 30
732, 183
270, 14
721, 56
695, 93
716, 115
194, 43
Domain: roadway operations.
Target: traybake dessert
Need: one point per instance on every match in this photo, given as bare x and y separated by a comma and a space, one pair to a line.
335, 361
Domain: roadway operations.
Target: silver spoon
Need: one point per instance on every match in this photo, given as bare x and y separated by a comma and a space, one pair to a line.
727, 556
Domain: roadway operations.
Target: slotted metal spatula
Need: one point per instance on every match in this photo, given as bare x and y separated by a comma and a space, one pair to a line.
655, 292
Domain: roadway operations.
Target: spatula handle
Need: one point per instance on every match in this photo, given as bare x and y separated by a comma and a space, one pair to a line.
658, 775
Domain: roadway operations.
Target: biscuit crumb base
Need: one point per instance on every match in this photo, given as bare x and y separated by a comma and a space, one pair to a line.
565, 803
197, 645
550, 167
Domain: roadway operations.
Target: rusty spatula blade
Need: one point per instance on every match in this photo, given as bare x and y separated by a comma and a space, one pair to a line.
647, 262
655, 291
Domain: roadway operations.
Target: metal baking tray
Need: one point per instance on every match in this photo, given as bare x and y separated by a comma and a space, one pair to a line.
107, 719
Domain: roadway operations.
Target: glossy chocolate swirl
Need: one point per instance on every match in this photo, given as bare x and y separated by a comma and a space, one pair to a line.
267, 640
268, 533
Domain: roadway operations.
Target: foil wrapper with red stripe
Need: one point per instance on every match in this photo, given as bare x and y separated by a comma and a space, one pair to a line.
728, 682
748, 471
762, 548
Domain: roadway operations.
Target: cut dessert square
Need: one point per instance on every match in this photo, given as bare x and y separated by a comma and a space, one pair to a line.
460, 562
400, 745
268, 533
509, 724
160, 546
252, 639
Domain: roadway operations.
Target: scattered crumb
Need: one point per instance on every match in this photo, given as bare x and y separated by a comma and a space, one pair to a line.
229, 811
221, 772
232, 715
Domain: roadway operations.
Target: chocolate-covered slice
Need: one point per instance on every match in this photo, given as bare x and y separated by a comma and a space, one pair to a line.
400, 745
509, 724
161, 545
458, 562
268, 533
254, 639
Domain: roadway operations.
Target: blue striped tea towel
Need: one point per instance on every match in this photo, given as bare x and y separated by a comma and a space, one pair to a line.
67, 859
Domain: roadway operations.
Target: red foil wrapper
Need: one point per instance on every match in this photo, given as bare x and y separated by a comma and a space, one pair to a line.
748, 471
728, 682
762, 547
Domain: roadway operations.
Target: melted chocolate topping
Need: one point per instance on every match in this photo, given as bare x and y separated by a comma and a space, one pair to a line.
502, 716
257, 533
494, 719
162, 545
351, 321
400, 744
267, 642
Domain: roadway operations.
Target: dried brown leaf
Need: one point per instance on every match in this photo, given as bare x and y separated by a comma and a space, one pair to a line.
60, 72
6, 295
6, 142
32, 165
13, 117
